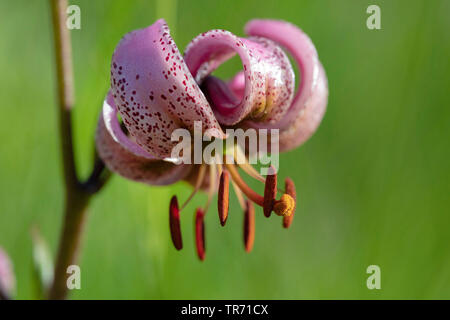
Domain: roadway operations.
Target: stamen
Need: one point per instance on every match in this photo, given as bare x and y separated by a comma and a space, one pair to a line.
252, 195
239, 195
198, 183
219, 167
248, 169
290, 190
285, 206
249, 226
212, 186
246, 166
223, 197
200, 233
270, 191
174, 223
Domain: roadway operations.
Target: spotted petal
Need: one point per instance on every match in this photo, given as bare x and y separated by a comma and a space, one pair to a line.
309, 118
154, 91
268, 76
309, 104
126, 158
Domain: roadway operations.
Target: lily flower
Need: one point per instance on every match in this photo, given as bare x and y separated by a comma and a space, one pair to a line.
155, 90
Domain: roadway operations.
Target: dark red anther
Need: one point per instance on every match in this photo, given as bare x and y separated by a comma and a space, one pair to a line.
174, 223
223, 196
249, 226
270, 191
290, 190
200, 233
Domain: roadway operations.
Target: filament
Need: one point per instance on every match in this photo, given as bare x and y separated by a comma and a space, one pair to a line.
198, 183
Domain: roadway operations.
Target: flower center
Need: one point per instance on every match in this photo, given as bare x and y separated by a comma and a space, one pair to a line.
227, 172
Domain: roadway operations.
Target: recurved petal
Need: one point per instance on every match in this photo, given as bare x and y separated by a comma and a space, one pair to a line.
116, 154
109, 113
154, 91
267, 74
237, 84
308, 119
309, 104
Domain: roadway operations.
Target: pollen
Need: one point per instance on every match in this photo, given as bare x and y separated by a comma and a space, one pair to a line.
290, 190
285, 206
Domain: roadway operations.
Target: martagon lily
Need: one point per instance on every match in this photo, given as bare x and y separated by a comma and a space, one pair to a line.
155, 90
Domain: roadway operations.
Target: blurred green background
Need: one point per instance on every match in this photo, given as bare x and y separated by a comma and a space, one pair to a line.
373, 182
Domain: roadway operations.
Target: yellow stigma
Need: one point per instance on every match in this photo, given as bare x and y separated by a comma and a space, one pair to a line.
285, 206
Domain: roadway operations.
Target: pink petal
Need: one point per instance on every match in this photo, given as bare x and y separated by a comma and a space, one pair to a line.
308, 119
237, 85
312, 93
114, 129
118, 158
269, 79
154, 90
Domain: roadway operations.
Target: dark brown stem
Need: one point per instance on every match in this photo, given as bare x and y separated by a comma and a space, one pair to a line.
69, 245
77, 194
98, 177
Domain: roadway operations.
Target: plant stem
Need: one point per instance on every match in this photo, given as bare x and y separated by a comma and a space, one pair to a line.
64, 75
77, 194
69, 245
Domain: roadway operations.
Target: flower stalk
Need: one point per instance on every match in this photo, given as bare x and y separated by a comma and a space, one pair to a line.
77, 193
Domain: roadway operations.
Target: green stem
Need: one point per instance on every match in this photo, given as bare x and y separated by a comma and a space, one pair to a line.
77, 194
